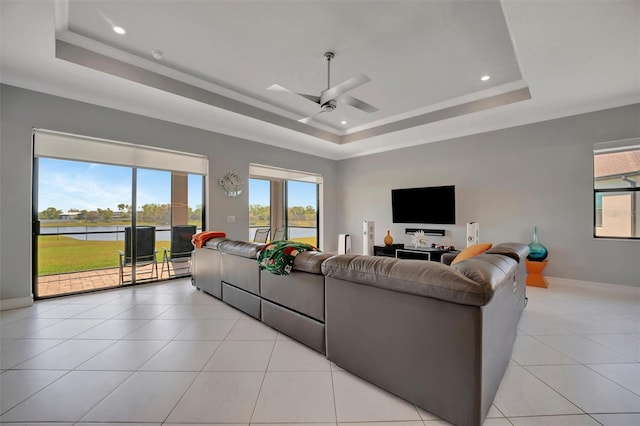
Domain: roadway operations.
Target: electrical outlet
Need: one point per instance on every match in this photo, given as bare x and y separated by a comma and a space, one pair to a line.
231, 218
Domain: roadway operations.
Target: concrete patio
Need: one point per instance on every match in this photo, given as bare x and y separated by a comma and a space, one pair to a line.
78, 282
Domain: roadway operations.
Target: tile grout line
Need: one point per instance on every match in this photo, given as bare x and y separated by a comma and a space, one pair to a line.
35, 393
333, 392
264, 377
555, 390
131, 373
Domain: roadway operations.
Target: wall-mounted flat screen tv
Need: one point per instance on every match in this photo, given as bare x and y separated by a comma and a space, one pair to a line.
434, 204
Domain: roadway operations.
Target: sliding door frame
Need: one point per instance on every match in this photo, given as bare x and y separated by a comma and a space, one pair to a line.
35, 229
281, 177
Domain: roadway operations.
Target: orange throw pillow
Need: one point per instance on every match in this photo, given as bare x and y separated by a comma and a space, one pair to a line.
471, 251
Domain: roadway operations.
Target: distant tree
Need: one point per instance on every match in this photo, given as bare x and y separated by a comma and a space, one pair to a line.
156, 213
50, 213
259, 215
195, 214
124, 209
106, 214
302, 216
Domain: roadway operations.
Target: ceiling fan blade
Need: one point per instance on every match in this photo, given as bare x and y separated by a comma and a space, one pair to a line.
278, 88
357, 103
345, 86
306, 120
312, 98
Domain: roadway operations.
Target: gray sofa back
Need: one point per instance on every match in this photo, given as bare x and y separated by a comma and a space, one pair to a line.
241, 248
470, 282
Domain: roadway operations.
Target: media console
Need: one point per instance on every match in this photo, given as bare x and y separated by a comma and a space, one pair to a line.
402, 252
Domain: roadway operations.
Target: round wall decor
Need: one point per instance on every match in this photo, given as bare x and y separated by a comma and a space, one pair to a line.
231, 184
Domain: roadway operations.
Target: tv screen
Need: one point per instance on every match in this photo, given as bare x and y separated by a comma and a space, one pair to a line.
434, 204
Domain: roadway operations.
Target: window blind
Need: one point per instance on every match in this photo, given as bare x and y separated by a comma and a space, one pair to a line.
47, 143
619, 145
258, 171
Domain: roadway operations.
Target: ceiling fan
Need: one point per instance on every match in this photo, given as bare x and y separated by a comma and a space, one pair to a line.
329, 97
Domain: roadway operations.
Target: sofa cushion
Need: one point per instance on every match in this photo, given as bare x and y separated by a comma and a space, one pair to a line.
213, 243
310, 261
241, 248
471, 251
429, 279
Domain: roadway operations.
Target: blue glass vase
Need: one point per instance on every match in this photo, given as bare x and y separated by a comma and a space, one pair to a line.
537, 252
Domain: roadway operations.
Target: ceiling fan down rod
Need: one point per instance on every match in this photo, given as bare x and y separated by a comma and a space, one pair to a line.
329, 56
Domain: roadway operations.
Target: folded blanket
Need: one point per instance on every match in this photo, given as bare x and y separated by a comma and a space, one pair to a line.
200, 238
278, 257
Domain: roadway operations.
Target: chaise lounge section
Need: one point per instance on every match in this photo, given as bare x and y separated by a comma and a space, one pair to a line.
438, 336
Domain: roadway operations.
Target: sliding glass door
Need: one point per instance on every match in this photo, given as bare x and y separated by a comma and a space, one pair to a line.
82, 210
125, 218
259, 206
287, 203
302, 212
101, 226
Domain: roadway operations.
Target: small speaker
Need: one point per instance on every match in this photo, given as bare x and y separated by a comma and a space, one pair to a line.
344, 244
473, 233
368, 237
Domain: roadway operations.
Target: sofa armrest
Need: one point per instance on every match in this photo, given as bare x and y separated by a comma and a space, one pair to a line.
447, 258
516, 251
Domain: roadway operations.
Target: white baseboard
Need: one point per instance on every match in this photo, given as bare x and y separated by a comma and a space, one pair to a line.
18, 302
593, 284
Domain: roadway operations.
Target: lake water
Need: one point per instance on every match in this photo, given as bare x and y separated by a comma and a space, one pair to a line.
116, 233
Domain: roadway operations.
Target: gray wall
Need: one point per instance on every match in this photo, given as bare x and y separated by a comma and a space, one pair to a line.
21, 110
509, 181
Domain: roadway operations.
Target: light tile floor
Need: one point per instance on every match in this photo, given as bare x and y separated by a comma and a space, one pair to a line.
166, 353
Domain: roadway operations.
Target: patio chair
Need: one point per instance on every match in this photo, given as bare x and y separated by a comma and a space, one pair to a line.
178, 257
145, 252
261, 235
278, 235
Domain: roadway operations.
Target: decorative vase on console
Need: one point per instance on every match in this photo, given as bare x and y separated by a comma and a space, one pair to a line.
388, 239
537, 252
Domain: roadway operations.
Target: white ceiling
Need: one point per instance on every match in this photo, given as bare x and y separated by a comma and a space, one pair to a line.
546, 59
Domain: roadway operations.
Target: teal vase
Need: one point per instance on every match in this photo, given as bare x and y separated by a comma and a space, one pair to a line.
537, 252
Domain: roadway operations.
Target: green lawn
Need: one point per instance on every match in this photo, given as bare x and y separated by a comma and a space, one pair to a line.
308, 240
60, 254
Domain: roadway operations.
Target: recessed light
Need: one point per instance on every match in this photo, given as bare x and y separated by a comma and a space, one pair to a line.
118, 30
343, 122
157, 54
485, 77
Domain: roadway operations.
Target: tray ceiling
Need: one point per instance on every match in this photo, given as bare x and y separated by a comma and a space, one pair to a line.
425, 60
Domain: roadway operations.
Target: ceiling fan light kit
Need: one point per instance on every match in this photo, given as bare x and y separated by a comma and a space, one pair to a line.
329, 106
329, 98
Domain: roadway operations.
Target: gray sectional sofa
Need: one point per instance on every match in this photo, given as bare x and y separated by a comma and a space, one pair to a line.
436, 335
293, 304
